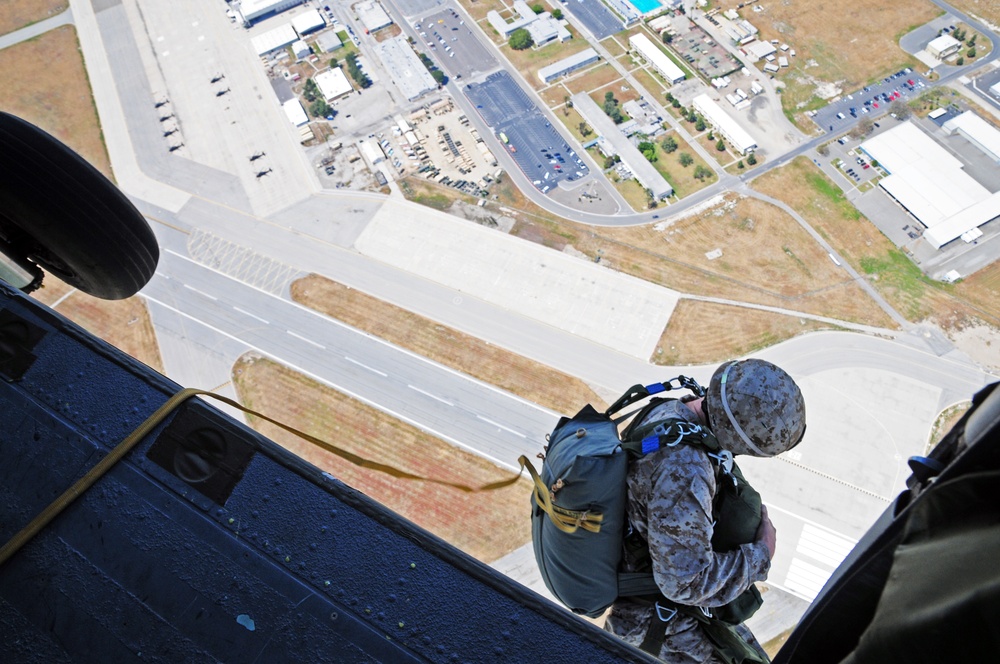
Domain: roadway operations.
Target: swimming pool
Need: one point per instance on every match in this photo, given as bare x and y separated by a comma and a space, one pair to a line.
645, 6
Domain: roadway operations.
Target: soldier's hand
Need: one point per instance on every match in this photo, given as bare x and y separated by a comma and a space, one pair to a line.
766, 532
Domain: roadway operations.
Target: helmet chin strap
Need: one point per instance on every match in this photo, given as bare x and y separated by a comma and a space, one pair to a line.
732, 420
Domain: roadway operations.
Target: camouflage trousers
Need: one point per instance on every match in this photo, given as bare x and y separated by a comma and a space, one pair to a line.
685, 642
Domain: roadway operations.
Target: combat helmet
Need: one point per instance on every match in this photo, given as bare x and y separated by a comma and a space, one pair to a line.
755, 408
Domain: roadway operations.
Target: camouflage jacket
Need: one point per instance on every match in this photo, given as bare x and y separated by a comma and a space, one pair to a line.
670, 496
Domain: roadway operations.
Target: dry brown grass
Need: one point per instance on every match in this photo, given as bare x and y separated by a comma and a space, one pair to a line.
15, 14
850, 44
821, 203
472, 356
55, 95
478, 9
706, 332
485, 525
984, 9
122, 323
530, 60
594, 79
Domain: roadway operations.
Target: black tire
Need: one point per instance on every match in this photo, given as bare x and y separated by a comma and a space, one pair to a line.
62, 213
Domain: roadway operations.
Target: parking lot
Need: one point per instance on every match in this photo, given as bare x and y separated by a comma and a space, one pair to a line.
539, 150
447, 37
871, 101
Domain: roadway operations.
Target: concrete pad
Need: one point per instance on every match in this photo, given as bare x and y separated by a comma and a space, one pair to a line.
568, 293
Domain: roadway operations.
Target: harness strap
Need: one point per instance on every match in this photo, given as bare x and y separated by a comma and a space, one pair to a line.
99, 469
568, 521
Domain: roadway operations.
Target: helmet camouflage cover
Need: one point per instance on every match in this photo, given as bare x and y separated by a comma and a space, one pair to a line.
755, 408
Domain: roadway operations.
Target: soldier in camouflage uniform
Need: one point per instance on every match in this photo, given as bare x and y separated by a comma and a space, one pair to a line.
754, 408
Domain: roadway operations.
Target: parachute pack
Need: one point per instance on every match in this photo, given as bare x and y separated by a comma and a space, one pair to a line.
579, 520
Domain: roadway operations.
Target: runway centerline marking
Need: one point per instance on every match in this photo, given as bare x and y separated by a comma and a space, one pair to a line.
365, 366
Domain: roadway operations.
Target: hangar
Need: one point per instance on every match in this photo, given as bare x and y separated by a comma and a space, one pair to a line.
931, 184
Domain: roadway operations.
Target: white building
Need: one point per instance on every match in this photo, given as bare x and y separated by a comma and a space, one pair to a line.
275, 39
759, 50
301, 49
567, 65
333, 83
977, 131
724, 124
251, 10
930, 184
542, 27
616, 143
307, 22
524, 17
405, 68
294, 112
656, 58
943, 46
372, 15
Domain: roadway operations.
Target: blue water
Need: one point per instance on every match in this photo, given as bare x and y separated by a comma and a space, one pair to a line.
645, 5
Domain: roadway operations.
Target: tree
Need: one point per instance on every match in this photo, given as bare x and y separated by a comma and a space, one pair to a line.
520, 39
557, 14
439, 76
686, 159
537, 8
585, 130
900, 109
960, 61
610, 161
823, 150
700, 125
720, 146
700, 172
751, 159
333, 63
740, 165
310, 90
676, 103
648, 150
971, 52
669, 144
667, 37
320, 109
669, 97
611, 108
863, 128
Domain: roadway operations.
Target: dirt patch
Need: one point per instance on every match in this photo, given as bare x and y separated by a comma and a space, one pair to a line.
706, 332
122, 323
56, 96
16, 14
986, 10
472, 356
485, 525
897, 278
948, 418
981, 342
838, 46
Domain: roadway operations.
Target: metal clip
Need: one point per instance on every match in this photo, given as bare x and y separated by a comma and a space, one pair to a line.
705, 612
725, 459
660, 610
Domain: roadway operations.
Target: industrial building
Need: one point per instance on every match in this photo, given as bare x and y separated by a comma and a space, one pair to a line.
724, 124
294, 112
656, 58
977, 131
329, 41
372, 15
758, 50
568, 65
931, 184
275, 39
333, 83
308, 21
943, 46
252, 10
405, 68
613, 141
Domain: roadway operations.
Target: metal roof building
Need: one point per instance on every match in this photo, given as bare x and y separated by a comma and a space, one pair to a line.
605, 127
295, 113
725, 124
656, 58
977, 131
943, 46
567, 65
251, 10
405, 68
307, 22
272, 40
930, 183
